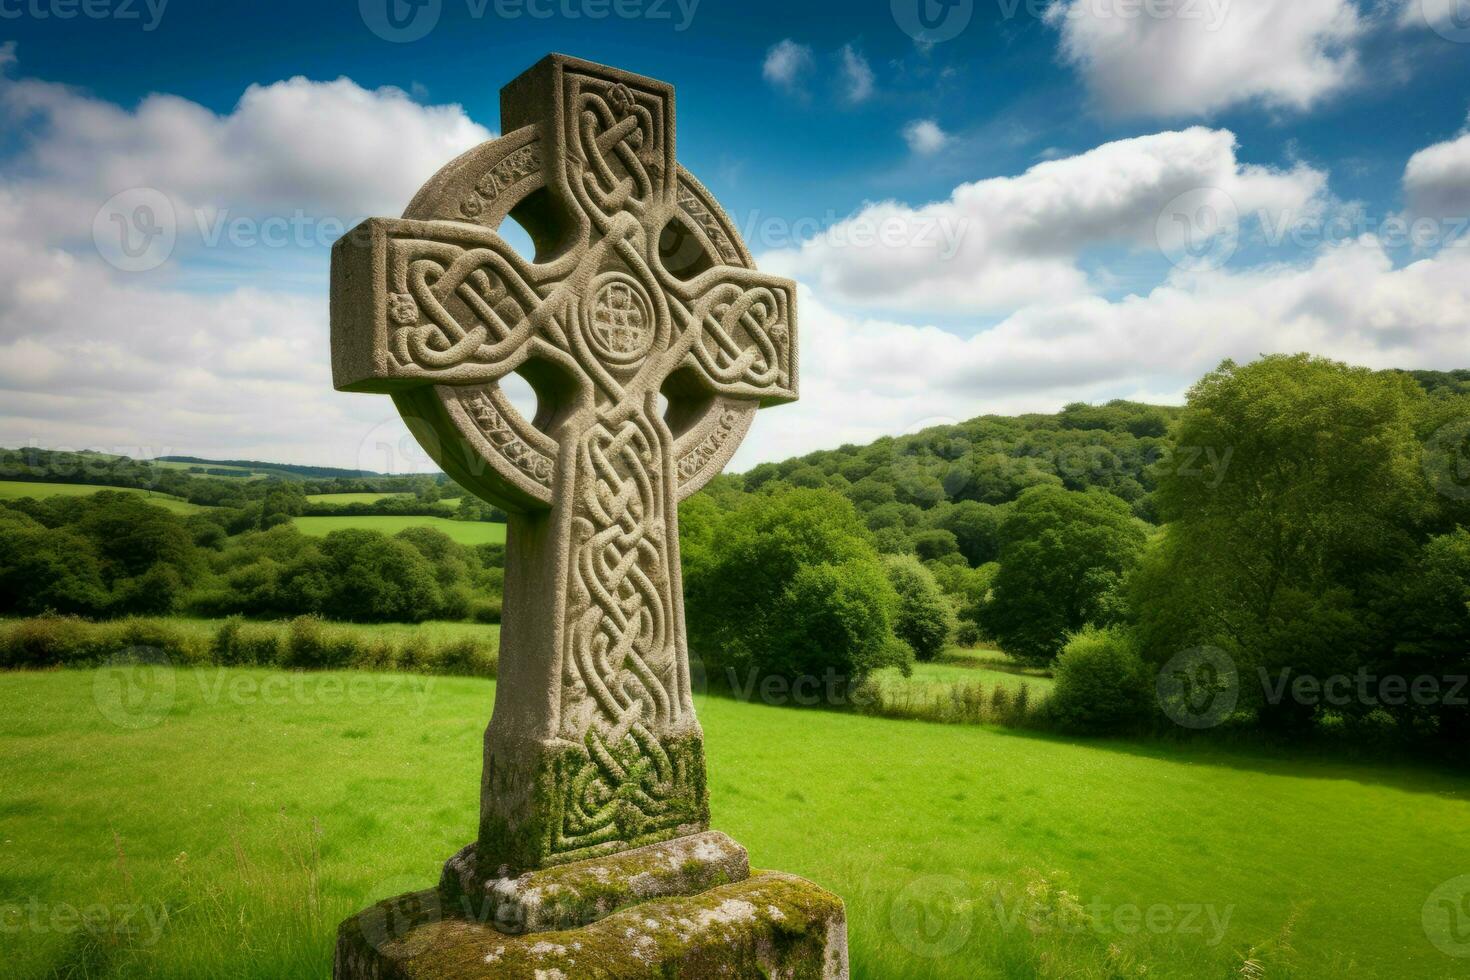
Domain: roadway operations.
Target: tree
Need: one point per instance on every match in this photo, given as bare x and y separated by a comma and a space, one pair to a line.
976, 528
1101, 684
1427, 610
1297, 481
924, 619
935, 543
1063, 558
786, 584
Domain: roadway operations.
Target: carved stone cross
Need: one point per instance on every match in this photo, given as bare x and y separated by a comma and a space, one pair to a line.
640, 286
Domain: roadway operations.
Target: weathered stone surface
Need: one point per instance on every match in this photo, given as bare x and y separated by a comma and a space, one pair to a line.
594, 809
640, 287
572, 895
770, 925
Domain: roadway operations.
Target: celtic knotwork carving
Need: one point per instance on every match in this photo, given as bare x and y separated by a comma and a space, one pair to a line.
746, 331
593, 746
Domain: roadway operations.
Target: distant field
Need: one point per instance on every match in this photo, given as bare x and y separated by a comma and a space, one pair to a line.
170, 464
238, 825
962, 666
465, 532
15, 490
351, 498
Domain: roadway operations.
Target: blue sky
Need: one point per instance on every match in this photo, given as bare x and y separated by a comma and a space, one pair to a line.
1026, 156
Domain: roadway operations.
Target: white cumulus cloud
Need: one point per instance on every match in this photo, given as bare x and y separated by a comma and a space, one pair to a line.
925, 137
1189, 59
857, 75
1437, 179
1002, 243
786, 63
234, 361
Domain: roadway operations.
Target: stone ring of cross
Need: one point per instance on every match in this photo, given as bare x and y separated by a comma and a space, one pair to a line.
640, 286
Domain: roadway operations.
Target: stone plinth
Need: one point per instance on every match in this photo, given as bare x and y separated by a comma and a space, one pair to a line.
686, 908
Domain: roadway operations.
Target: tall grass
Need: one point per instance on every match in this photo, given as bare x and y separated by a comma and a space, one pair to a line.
304, 643
958, 704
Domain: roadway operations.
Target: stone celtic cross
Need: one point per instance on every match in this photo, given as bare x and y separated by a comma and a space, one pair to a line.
640, 287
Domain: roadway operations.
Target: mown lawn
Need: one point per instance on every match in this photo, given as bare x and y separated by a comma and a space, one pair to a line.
465, 532
16, 489
221, 822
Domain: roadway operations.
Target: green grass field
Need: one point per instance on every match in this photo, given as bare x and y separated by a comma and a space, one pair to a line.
962, 666
173, 464
465, 532
350, 498
15, 490
221, 823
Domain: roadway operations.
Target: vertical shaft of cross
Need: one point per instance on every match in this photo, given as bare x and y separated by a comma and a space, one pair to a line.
614, 758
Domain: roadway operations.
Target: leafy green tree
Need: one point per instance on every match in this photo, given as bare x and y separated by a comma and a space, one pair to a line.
786, 584
1102, 686
1297, 481
924, 618
1063, 558
935, 543
1427, 611
379, 579
975, 526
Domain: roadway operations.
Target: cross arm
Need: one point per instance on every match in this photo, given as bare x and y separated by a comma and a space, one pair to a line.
738, 334
432, 302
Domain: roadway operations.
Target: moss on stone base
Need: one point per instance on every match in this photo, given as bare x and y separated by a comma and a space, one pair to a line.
572, 895
771, 924
535, 810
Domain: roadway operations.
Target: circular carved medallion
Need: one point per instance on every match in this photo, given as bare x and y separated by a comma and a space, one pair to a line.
618, 318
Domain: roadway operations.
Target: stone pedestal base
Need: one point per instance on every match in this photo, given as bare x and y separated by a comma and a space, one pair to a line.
689, 908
